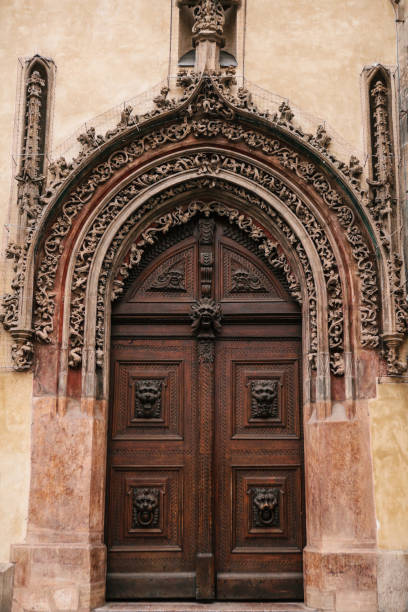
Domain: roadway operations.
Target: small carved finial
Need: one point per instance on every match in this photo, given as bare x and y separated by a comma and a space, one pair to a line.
322, 138
285, 113
208, 17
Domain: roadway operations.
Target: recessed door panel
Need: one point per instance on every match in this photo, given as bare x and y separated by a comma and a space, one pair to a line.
258, 470
152, 487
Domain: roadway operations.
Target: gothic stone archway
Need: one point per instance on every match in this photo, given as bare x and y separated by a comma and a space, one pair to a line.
305, 213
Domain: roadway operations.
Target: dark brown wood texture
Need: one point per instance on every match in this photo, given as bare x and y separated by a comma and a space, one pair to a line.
205, 468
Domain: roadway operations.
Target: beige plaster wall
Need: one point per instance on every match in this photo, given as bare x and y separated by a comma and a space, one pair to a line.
15, 409
389, 440
313, 54
110, 50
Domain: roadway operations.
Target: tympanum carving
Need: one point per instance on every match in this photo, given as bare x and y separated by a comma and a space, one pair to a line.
243, 281
172, 279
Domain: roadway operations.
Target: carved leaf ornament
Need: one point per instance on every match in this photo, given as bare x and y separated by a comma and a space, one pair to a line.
209, 107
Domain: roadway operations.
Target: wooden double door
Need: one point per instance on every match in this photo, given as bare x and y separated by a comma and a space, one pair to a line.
205, 456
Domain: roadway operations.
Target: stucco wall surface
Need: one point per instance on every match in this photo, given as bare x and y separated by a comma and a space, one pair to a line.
389, 439
15, 421
313, 53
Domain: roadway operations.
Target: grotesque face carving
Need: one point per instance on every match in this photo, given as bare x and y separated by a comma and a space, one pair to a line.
265, 506
145, 507
148, 398
244, 282
206, 317
264, 396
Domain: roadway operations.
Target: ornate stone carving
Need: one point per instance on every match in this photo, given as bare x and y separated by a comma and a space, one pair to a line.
265, 506
145, 507
208, 17
10, 301
264, 399
206, 101
177, 133
392, 343
148, 399
180, 216
125, 121
30, 177
22, 350
261, 177
382, 182
89, 141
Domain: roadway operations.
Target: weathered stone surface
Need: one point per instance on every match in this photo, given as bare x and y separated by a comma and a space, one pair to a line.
6, 586
392, 581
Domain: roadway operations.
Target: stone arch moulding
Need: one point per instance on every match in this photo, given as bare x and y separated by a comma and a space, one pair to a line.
211, 152
211, 110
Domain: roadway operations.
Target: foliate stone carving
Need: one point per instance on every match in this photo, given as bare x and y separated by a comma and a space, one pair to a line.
89, 141
264, 399
254, 140
392, 343
180, 216
322, 138
125, 121
10, 301
211, 108
22, 350
148, 399
208, 17
145, 507
265, 503
382, 207
209, 104
30, 176
250, 172
206, 318
382, 182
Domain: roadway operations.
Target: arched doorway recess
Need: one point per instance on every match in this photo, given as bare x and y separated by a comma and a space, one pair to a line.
205, 451
305, 212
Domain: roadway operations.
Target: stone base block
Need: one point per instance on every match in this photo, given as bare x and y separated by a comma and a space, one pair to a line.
58, 577
392, 581
6, 586
341, 581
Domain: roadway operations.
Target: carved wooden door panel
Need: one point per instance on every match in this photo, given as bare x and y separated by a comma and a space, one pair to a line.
258, 520
152, 470
205, 439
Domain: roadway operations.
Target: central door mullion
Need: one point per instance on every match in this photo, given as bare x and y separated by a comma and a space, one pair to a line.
205, 570
206, 317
